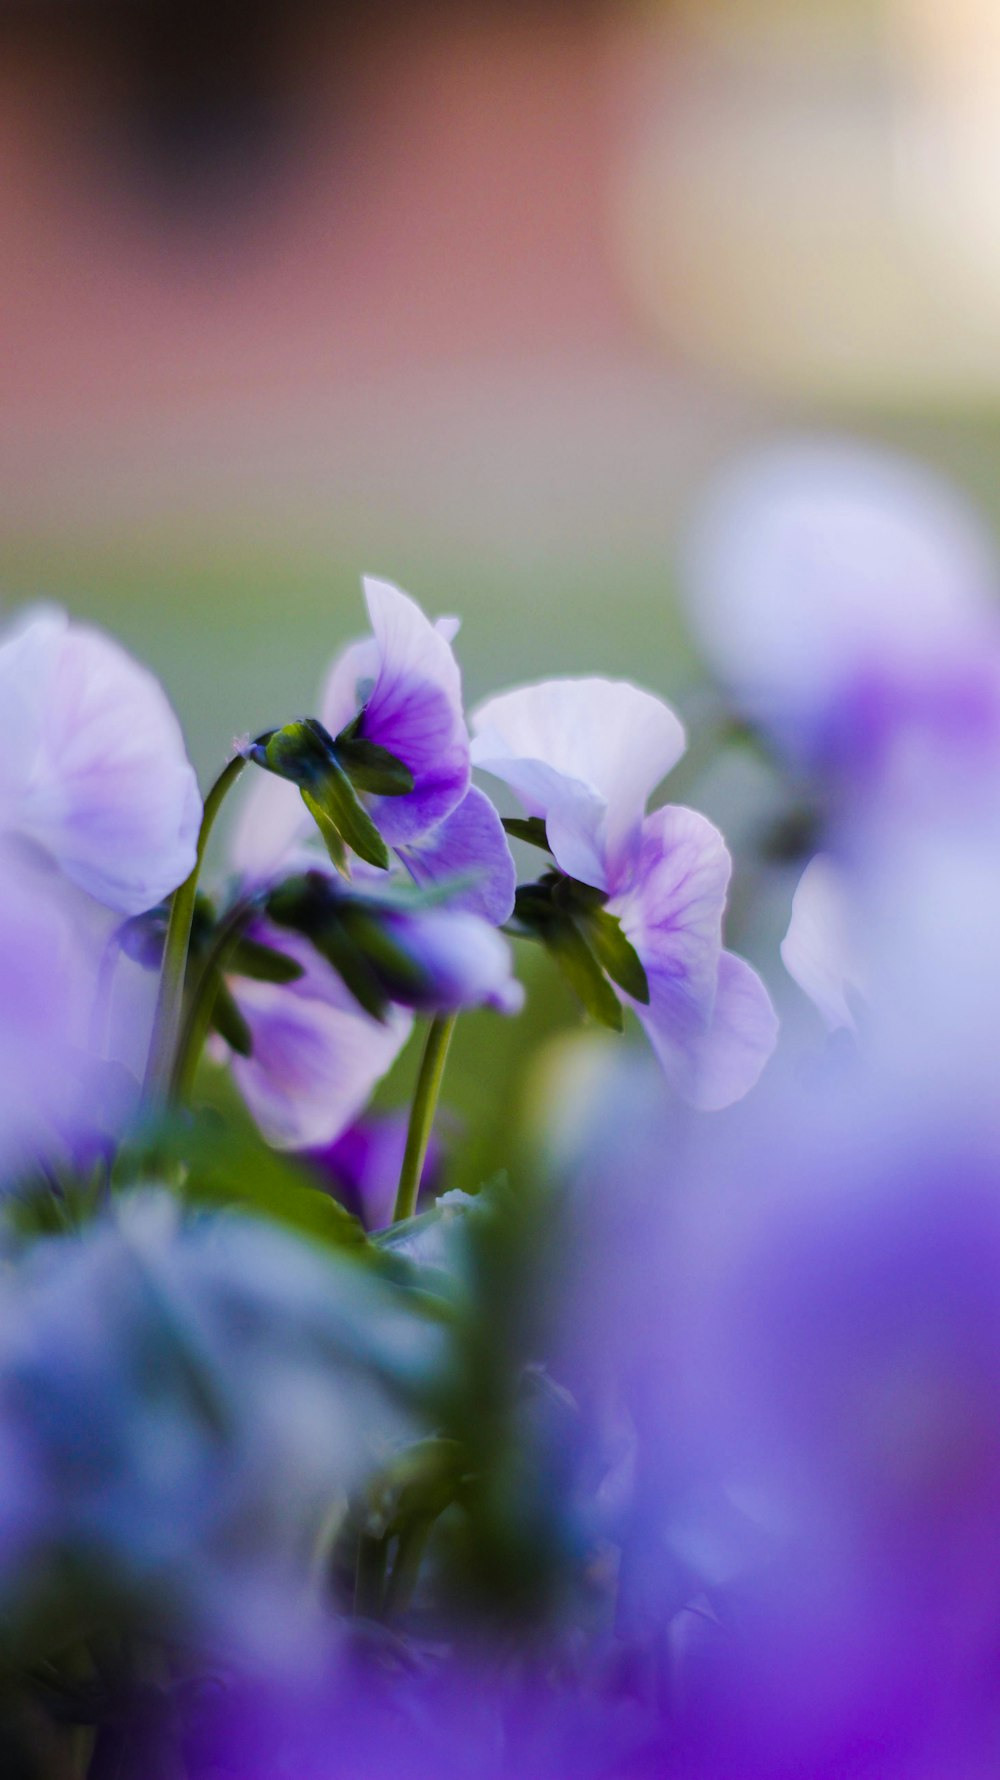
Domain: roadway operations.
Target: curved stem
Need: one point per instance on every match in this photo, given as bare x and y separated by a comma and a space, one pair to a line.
167, 1019
201, 1001
425, 1099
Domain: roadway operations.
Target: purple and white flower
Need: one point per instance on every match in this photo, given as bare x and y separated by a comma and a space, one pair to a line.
402, 687
404, 684
585, 755
94, 771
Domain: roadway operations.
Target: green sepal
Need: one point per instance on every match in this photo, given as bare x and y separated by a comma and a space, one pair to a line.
527, 828
333, 801
306, 906
332, 837
570, 921
564, 940
372, 768
248, 958
617, 954
229, 1023
305, 753
396, 971
334, 943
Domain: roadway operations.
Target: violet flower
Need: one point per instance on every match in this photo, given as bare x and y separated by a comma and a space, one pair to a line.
95, 773
584, 755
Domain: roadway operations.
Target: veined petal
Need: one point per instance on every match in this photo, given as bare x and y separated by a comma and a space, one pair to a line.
740, 1039
469, 843
584, 754
413, 708
316, 1057
103, 783
672, 910
709, 1018
817, 951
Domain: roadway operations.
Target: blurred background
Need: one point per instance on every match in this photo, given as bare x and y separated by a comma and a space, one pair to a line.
474, 296
471, 295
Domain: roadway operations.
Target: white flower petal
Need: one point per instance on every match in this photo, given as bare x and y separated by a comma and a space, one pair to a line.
586, 752
817, 951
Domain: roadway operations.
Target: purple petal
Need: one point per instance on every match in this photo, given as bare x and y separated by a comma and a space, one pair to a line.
363, 1166
414, 709
585, 755
469, 843
102, 781
709, 1019
316, 1055
466, 961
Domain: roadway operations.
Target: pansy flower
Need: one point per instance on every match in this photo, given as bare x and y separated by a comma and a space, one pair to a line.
391, 705
583, 756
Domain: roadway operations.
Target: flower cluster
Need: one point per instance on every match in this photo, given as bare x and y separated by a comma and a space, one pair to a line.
673, 1450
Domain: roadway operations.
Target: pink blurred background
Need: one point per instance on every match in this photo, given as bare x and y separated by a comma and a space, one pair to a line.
475, 296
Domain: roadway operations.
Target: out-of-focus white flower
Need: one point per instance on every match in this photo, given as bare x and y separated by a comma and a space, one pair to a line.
824, 575
818, 950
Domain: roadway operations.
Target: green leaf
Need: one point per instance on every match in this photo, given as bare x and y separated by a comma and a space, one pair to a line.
248, 958
617, 954
229, 1022
527, 828
564, 940
372, 768
227, 1167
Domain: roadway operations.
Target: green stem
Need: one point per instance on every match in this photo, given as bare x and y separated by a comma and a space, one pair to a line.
201, 1001
425, 1099
167, 1019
